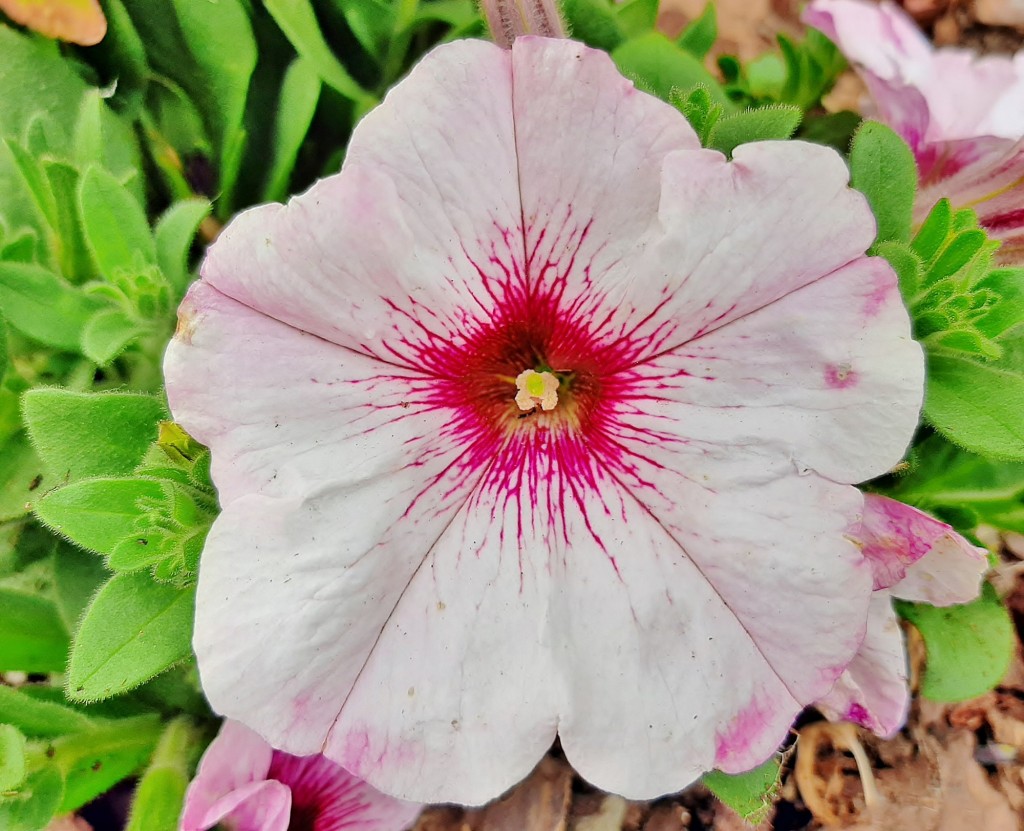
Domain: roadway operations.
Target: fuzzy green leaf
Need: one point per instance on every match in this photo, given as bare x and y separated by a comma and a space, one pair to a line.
32, 635
882, 167
40, 719
90, 434
300, 93
116, 229
969, 646
108, 333
133, 630
594, 23
35, 803
749, 794
174, 233
12, 757
658, 65
776, 121
38, 303
700, 35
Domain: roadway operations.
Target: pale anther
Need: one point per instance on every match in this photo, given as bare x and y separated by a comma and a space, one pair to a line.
536, 388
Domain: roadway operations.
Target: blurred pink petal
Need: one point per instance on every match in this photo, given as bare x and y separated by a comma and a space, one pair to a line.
426, 582
244, 785
961, 113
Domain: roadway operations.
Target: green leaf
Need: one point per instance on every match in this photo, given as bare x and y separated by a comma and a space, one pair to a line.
20, 477
116, 229
300, 93
90, 434
76, 578
40, 719
934, 231
12, 757
38, 303
93, 762
978, 404
700, 35
969, 646
636, 17
3, 349
299, 24
775, 121
749, 794
657, 64
138, 522
882, 167
36, 802
76, 263
108, 333
699, 110
133, 629
161, 791
907, 265
32, 636
174, 233
225, 73
593, 22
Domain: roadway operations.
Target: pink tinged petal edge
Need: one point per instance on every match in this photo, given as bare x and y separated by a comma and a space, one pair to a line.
965, 95
916, 556
873, 691
379, 572
986, 175
258, 806
236, 758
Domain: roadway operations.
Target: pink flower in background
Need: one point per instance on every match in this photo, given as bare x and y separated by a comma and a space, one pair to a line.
962, 114
913, 557
538, 419
244, 785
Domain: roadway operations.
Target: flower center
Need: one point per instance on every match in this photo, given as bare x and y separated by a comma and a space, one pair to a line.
536, 389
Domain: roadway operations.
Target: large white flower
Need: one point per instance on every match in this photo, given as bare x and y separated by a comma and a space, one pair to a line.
428, 570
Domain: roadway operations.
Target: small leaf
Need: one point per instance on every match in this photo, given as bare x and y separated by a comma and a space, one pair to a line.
32, 636
12, 757
593, 22
882, 167
932, 234
907, 265
40, 719
20, 477
76, 21
108, 333
300, 92
76, 577
38, 303
637, 16
978, 404
969, 646
749, 794
958, 252
657, 64
116, 229
699, 110
133, 629
299, 24
174, 233
700, 35
90, 434
161, 791
35, 803
774, 122
94, 761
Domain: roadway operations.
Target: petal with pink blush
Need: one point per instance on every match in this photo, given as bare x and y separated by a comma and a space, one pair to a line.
950, 573
895, 536
873, 691
237, 758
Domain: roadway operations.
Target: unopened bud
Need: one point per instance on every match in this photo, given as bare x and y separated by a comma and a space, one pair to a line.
508, 19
